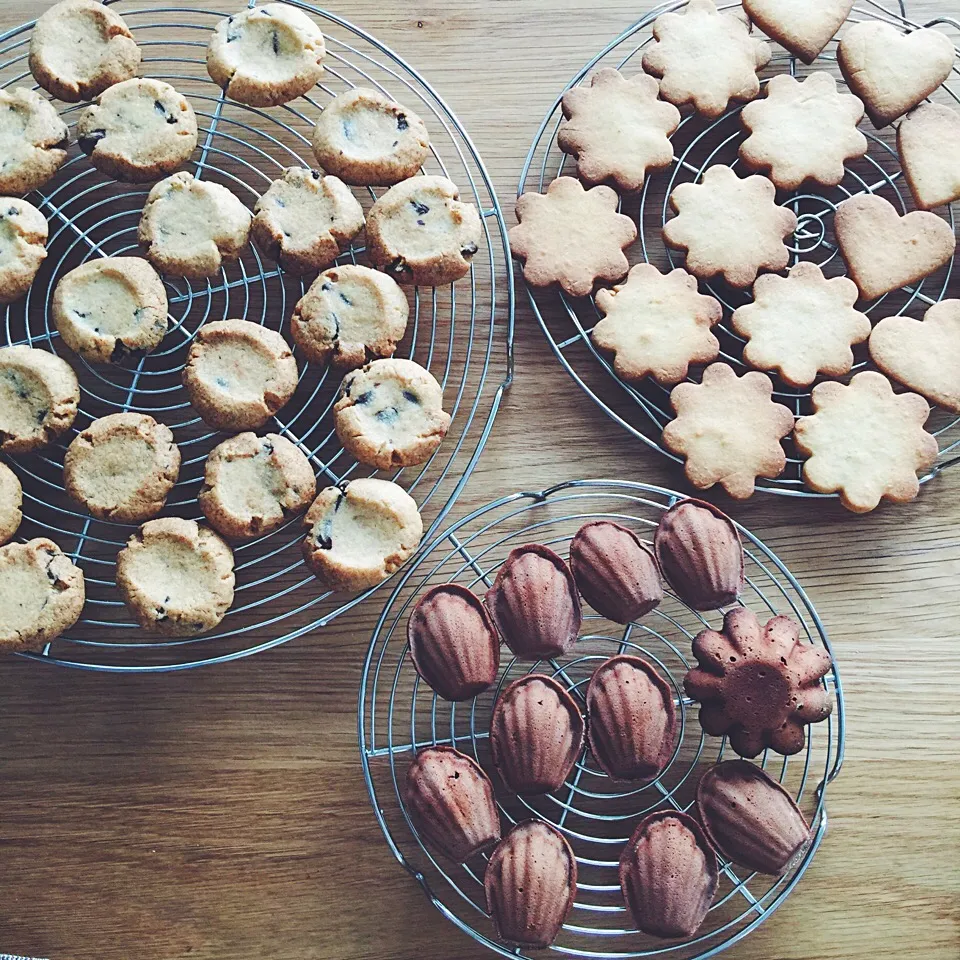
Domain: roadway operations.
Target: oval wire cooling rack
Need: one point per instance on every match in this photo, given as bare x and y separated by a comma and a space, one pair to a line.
463, 333
645, 409
398, 713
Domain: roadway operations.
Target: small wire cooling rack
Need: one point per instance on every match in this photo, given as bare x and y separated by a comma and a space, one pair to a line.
645, 410
399, 714
463, 333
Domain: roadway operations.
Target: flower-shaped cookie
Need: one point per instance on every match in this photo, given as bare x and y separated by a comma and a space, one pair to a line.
758, 685
571, 236
729, 226
657, 324
803, 131
802, 324
705, 58
728, 429
865, 442
618, 129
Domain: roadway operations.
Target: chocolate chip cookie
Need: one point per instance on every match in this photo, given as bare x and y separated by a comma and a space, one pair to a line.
23, 247
11, 503
33, 140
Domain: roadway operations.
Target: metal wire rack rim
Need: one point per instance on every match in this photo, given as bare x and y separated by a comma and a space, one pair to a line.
784, 485
512, 506
467, 154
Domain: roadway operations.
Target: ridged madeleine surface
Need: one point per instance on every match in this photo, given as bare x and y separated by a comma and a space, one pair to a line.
536, 735
453, 643
616, 573
632, 720
535, 604
669, 875
531, 883
750, 818
450, 801
699, 552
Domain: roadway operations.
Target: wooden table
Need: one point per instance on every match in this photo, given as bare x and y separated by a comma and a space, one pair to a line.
221, 814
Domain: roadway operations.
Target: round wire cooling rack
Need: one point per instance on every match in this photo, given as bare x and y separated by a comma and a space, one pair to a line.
399, 714
644, 409
463, 333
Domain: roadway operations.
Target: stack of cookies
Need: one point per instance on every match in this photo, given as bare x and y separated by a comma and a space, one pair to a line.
737, 227
177, 575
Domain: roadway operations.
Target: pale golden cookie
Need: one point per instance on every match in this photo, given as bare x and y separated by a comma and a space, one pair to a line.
571, 236
929, 144
730, 226
657, 324
923, 355
801, 325
804, 27
885, 251
728, 429
705, 58
865, 442
802, 131
33, 140
618, 129
892, 71
23, 247
11, 503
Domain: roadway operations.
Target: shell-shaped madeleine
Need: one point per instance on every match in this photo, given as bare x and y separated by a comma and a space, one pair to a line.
700, 553
616, 573
536, 735
535, 604
750, 818
450, 801
632, 724
453, 642
531, 882
669, 875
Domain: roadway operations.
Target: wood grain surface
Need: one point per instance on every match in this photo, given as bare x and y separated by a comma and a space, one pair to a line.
221, 814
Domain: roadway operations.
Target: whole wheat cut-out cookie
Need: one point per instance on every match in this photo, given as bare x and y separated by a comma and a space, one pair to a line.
804, 27
571, 236
865, 442
928, 141
803, 130
618, 129
657, 324
729, 430
705, 58
729, 226
885, 251
892, 71
802, 325
923, 355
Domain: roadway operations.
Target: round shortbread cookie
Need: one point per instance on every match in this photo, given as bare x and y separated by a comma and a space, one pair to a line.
122, 467
367, 139
192, 227
139, 130
420, 233
360, 533
176, 577
81, 47
107, 310
41, 594
266, 55
33, 140
252, 485
23, 247
390, 414
304, 219
39, 394
11, 503
239, 374
350, 315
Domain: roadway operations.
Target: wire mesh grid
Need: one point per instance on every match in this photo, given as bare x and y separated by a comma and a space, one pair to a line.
462, 333
399, 713
644, 409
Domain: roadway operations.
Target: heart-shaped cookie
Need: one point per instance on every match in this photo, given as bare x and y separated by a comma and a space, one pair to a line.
890, 71
804, 27
929, 145
885, 251
923, 355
